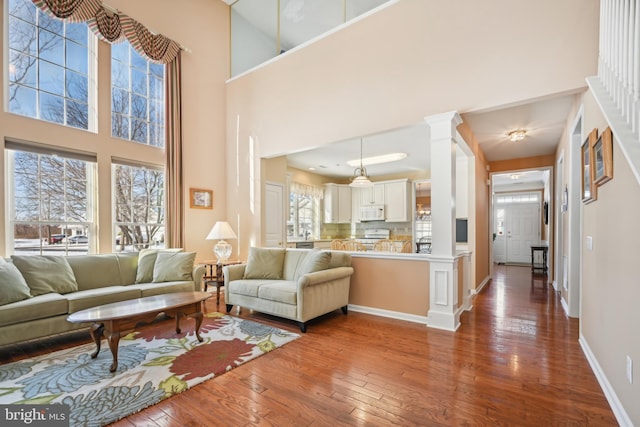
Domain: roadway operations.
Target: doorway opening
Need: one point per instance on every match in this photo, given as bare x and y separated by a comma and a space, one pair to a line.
520, 214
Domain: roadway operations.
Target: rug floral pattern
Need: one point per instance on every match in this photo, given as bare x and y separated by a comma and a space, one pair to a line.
153, 364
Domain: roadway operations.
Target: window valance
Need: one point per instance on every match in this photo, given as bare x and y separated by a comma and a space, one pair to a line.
306, 190
113, 27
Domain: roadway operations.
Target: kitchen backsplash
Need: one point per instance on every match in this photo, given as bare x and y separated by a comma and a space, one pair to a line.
398, 230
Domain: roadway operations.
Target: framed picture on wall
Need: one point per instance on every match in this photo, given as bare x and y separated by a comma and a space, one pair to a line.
588, 187
200, 199
603, 158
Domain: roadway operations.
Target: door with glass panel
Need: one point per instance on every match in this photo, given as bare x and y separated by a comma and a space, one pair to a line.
516, 227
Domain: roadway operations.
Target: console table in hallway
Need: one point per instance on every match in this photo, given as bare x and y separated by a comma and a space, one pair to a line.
539, 266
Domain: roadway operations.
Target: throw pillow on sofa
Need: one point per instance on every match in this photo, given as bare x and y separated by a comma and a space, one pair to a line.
147, 262
314, 261
46, 273
13, 288
173, 266
264, 263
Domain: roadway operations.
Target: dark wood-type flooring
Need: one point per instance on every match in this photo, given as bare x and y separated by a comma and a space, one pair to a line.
515, 361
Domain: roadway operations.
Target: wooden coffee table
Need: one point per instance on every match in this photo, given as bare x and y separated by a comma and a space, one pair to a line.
120, 318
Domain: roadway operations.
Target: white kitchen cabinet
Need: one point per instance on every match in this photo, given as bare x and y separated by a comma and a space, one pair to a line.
355, 204
372, 195
397, 200
337, 204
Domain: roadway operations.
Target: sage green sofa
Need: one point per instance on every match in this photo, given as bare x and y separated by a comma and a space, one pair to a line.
37, 293
297, 284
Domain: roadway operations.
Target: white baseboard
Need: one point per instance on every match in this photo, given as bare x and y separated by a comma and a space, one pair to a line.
565, 307
477, 290
388, 313
616, 406
555, 285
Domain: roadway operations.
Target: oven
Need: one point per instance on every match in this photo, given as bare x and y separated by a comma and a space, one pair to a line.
372, 236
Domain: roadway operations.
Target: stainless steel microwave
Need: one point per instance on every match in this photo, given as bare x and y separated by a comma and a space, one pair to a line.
372, 213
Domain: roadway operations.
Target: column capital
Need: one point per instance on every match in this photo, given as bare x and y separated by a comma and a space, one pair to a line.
444, 125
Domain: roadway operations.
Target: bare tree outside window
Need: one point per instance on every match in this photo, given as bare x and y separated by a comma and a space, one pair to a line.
48, 66
137, 97
303, 216
139, 208
51, 203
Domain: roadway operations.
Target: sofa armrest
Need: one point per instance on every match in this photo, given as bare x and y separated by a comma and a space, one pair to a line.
232, 272
197, 273
323, 276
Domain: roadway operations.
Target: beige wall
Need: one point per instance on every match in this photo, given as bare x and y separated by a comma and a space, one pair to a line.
390, 284
202, 26
610, 287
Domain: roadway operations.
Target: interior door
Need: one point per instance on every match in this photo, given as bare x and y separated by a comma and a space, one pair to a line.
274, 215
523, 230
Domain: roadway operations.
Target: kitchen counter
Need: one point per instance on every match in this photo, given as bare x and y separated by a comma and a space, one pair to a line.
309, 244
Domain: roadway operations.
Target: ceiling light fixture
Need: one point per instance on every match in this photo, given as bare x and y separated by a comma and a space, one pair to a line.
517, 135
360, 178
376, 160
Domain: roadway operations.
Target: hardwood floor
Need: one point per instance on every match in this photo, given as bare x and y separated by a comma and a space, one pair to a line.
515, 361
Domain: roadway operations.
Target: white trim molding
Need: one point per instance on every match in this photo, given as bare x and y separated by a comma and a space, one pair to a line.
388, 313
623, 132
616, 406
482, 284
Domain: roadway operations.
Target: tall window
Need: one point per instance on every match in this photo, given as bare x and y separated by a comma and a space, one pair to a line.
137, 97
49, 67
139, 207
52, 203
304, 211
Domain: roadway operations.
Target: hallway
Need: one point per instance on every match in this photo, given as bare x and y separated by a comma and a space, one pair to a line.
535, 369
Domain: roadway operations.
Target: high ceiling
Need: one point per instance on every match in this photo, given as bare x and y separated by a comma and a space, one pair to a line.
543, 119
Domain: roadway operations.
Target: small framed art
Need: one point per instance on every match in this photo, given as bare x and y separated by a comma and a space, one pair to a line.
200, 199
603, 158
588, 187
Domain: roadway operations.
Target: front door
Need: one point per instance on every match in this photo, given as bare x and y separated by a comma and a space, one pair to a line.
516, 226
523, 230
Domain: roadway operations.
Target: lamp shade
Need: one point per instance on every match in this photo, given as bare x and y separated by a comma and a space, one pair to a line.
221, 231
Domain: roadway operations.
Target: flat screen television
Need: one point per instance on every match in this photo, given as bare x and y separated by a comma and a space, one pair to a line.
461, 230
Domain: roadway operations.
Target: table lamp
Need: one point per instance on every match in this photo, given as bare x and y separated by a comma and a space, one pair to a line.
221, 231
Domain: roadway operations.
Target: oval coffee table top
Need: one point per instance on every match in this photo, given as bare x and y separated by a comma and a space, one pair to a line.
124, 309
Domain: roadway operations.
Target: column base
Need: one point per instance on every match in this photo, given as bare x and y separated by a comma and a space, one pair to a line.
444, 321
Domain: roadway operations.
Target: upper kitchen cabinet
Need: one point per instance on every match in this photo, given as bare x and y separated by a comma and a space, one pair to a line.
397, 200
337, 204
372, 195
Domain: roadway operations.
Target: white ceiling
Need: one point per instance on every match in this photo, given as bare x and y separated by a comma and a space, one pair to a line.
527, 179
543, 119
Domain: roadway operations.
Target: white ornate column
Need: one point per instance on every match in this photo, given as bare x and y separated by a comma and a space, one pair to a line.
444, 312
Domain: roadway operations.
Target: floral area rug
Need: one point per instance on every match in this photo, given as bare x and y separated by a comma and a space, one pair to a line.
153, 364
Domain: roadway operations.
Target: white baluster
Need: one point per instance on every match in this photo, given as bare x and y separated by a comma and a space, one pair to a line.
624, 72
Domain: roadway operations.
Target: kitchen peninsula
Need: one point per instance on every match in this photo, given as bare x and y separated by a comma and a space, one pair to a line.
397, 285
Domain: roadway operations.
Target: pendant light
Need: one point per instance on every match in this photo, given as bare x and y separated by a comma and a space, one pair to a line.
360, 178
